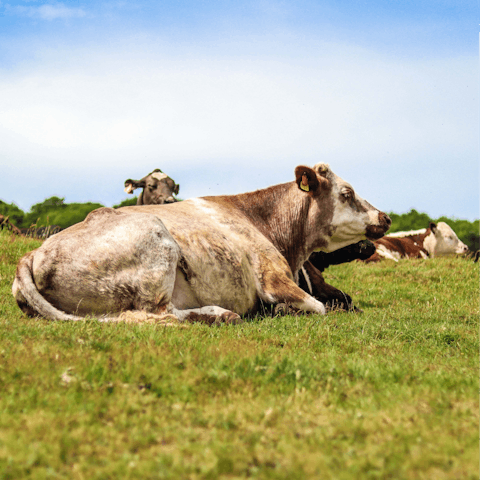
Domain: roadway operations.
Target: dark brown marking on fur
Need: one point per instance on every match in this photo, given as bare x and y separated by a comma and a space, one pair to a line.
410, 246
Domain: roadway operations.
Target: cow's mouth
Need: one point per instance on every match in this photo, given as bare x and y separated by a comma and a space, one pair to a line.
374, 232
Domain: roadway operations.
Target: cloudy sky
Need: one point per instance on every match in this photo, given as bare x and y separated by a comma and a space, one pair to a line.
228, 96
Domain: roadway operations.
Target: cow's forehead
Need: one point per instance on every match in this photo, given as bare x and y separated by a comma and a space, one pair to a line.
324, 169
159, 176
445, 229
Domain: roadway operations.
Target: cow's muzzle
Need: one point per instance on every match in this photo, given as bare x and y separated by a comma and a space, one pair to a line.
374, 232
161, 200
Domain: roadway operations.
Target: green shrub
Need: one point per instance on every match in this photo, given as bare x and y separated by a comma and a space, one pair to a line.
14, 213
53, 211
127, 202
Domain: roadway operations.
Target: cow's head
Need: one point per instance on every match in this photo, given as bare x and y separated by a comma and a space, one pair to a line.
350, 218
158, 188
443, 241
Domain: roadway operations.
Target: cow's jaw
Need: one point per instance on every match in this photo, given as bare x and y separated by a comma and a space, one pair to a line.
351, 224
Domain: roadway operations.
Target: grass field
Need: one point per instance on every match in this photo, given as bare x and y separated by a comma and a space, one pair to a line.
391, 393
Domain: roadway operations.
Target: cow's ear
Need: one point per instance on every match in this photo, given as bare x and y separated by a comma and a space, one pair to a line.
131, 185
306, 178
176, 189
433, 227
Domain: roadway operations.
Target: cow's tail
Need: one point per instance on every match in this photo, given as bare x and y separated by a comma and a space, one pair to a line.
31, 301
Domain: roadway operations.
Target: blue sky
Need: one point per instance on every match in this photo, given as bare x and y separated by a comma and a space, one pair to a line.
230, 96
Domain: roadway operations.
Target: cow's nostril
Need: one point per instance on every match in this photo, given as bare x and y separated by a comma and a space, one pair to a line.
385, 218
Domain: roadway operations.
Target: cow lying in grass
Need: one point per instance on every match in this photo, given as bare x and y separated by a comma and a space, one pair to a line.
208, 259
437, 240
157, 187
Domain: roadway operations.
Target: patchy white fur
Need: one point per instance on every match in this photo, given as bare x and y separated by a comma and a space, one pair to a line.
407, 234
307, 279
310, 304
383, 251
159, 176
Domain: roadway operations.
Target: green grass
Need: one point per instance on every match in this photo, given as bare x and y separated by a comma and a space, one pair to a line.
391, 393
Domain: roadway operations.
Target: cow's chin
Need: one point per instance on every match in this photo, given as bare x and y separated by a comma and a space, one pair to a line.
374, 232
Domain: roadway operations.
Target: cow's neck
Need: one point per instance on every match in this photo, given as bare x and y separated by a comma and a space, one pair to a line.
429, 242
424, 241
280, 213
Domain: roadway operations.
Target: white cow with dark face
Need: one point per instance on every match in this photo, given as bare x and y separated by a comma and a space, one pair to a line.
158, 188
207, 259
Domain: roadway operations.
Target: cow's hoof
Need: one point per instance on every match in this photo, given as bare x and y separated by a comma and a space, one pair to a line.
280, 310
229, 318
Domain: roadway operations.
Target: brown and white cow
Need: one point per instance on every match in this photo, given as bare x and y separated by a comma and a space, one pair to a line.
437, 240
207, 259
310, 275
158, 188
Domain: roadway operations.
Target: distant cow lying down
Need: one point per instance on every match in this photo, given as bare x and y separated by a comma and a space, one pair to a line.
158, 188
207, 259
437, 240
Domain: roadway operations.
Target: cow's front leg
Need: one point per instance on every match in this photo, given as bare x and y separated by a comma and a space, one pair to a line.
211, 315
308, 304
281, 289
311, 280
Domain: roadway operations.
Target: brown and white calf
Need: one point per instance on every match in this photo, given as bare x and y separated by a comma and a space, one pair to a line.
437, 240
209, 259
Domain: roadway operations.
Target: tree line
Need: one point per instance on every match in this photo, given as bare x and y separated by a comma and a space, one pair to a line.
55, 212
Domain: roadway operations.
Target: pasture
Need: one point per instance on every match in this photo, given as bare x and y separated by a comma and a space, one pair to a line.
391, 393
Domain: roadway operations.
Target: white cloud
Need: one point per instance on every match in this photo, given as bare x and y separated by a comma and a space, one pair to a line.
357, 107
349, 107
46, 11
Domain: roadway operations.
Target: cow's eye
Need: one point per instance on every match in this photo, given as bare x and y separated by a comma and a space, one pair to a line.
347, 194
